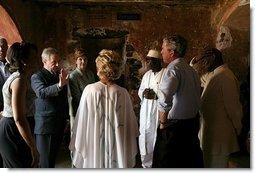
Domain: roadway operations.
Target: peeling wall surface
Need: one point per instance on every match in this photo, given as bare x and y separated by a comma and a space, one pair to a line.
231, 19
190, 22
224, 38
55, 25
58, 22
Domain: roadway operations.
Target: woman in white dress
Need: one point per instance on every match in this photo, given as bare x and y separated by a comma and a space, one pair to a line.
105, 127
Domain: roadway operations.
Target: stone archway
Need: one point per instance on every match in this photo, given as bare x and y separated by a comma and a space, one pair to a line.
8, 27
93, 40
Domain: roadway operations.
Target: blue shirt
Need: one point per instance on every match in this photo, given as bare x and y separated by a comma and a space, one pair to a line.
4, 74
179, 91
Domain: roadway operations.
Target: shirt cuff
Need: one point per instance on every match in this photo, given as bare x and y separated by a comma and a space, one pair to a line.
59, 88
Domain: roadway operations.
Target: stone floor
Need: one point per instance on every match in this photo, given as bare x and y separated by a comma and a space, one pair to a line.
237, 160
64, 161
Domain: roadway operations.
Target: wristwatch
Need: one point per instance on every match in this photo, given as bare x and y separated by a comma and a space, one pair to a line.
59, 88
164, 123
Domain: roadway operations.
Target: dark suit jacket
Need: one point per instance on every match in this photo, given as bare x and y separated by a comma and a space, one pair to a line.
1, 93
2, 81
51, 104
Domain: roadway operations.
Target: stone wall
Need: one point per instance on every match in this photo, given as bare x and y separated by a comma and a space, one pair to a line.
54, 25
231, 18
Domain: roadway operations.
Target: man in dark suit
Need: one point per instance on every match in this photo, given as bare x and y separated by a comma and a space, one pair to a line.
4, 71
4, 74
51, 107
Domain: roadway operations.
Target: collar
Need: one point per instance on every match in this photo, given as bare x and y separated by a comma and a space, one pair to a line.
3, 63
223, 66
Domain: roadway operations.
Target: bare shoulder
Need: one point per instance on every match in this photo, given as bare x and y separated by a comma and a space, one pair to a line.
18, 83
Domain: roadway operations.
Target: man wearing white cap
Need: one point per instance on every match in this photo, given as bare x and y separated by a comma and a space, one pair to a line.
149, 113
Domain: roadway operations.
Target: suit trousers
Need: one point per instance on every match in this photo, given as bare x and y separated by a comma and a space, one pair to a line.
178, 146
48, 146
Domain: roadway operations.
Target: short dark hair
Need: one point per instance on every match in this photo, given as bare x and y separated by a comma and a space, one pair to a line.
213, 57
208, 60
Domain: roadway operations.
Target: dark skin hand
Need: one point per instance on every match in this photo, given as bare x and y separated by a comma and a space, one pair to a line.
150, 94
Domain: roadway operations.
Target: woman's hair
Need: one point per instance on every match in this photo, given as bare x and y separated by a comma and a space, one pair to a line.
177, 43
109, 65
18, 54
207, 61
79, 52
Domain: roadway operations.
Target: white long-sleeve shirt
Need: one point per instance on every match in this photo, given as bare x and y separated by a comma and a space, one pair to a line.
179, 92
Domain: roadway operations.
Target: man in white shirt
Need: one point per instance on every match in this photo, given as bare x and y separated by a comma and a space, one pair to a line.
177, 144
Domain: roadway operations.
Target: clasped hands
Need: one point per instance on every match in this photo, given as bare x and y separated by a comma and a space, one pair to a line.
149, 94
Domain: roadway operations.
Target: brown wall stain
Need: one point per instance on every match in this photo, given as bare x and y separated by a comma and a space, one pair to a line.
54, 24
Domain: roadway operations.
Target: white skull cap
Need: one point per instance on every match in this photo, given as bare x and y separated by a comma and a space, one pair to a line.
154, 54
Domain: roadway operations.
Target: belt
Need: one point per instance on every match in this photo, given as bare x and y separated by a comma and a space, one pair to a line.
7, 117
169, 122
174, 121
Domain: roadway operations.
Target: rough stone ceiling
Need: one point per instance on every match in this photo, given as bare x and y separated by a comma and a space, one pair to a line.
240, 18
128, 2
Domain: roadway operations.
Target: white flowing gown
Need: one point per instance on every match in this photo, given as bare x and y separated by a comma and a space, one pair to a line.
105, 128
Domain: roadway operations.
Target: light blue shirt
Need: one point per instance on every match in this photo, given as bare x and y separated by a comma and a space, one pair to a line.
5, 73
179, 91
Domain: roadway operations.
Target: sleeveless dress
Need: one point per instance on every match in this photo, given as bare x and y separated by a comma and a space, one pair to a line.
14, 150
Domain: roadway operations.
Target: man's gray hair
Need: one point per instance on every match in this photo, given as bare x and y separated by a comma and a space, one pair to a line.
176, 43
47, 52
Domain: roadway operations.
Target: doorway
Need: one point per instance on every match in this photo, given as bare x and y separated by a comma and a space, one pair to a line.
8, 27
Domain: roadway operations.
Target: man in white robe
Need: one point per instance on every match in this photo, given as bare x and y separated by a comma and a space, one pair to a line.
105, 128
149, 115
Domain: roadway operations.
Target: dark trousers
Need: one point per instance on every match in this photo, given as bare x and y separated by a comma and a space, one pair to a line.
14, 150
48, 146
1, 161
178, 146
